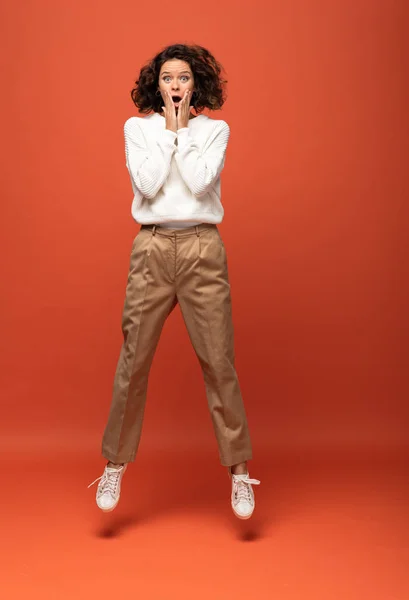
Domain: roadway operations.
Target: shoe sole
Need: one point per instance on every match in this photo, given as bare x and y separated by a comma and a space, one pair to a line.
108, 509
242, 517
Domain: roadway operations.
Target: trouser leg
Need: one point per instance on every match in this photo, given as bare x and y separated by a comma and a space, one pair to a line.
149, 299
203, 292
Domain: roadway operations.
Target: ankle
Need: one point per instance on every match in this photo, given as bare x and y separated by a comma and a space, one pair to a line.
112, 465
239, 469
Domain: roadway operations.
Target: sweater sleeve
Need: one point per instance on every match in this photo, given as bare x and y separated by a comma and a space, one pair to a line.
148, 167
200, 169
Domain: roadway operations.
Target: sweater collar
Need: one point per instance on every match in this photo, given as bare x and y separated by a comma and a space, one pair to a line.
157, 116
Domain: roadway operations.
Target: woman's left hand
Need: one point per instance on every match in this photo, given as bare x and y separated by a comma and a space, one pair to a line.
184, 110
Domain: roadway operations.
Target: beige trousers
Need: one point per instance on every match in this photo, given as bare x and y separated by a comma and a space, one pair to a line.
170, 266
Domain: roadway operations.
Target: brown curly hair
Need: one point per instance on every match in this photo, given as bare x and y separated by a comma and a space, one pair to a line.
209, 85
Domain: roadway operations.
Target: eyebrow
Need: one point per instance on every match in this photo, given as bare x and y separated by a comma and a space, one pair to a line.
181, 73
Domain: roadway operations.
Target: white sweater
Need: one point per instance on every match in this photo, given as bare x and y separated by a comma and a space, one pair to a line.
176, 176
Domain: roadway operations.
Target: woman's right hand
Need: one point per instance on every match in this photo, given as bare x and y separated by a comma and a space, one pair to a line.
170, 112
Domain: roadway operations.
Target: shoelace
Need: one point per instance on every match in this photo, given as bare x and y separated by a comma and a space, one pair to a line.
241, 488
109, 481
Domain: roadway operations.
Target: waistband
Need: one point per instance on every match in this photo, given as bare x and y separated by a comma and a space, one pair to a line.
168, 232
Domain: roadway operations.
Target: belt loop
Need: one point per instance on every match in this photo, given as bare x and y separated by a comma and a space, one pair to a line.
197, 230
154, 230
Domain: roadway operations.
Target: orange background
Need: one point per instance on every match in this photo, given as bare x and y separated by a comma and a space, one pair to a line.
315, 194
315, 190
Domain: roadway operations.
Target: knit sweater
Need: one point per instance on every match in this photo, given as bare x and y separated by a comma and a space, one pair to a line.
175, 177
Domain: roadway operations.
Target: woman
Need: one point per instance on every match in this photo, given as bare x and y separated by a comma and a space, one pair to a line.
174, 159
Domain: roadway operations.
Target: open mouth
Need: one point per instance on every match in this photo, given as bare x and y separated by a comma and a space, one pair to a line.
176, 99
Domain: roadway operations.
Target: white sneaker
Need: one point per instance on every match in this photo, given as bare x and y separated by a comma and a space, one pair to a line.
109, 487
242, 495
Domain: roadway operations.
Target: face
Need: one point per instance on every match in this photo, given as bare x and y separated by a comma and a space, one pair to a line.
175, 77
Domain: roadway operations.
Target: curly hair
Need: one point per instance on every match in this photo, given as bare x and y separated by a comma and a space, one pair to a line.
209, 85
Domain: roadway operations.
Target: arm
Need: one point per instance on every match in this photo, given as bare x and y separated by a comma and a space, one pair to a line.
148, 167
200, 170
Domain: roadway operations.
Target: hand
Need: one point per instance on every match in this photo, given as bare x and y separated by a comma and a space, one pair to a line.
184, 110
170, 112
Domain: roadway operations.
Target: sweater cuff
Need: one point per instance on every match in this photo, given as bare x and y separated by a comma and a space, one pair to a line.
183, 137
169, 136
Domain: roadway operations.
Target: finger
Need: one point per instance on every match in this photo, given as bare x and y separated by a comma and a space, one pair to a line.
170, 101
182, 103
